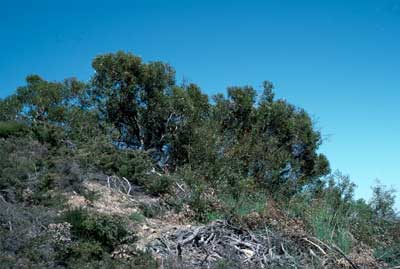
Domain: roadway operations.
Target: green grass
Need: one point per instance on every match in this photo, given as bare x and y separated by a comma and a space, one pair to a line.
212, 216
137, 217
389, 254
245, 203
328, 228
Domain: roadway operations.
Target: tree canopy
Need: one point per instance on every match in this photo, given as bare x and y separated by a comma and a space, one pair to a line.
140, 106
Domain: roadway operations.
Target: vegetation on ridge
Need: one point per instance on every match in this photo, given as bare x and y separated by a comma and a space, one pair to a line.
233, 154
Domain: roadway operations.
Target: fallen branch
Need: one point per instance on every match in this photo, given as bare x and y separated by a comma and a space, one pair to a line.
320, 242
190, 238
180, 187
315, 245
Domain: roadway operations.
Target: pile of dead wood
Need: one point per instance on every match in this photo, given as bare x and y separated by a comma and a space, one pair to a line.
203, 246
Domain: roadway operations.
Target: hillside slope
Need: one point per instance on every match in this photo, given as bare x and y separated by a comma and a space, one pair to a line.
132, 170
177, 242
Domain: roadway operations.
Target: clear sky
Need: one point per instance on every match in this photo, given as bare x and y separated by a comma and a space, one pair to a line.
338, 59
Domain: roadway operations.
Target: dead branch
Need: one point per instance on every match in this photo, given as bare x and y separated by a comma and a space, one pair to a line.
315, 245
121, 185
129, 186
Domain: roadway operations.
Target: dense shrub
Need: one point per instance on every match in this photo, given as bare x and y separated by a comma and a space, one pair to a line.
13, 128
101, 154
157, 184
21, 167
48, 134
90, 226
24, 240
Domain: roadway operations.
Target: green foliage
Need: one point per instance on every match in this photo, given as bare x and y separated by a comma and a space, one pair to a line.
104, 156
133, 121
48, 101
22, 159
327, 227
137, 217
328, 211
190, 111
106, 230
245, 204
272, 141
12, 128
364, 225
236, 208
135, 165
213, 215
91, 196
84, 251
231, 198
383, 201
389, 254
204, 209
199, 202
48, 134
132, 96
225, 264
10, 107
331, 214
152, 210
130, 104
157, 184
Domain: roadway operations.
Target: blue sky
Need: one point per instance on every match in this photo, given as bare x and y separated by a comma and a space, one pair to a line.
339, 60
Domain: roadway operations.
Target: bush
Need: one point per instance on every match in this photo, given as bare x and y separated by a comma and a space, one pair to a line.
102, 154
22, 160
152, 210
364, 225
157, 184
203, 206
91, 196
48, 134
84, 251
106, 230
23, 239
64, 174
13, 128
383, 201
